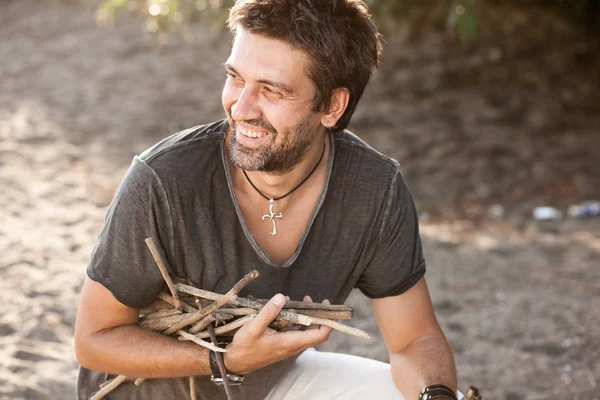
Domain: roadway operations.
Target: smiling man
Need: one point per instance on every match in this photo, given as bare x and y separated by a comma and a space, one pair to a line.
282, 187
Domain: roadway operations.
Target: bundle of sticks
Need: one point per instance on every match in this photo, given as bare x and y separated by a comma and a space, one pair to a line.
207, 318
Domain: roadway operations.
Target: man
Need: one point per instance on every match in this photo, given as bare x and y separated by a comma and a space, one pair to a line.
281, 187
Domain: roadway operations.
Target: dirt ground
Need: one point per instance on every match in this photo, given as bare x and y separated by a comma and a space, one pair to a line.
513, 121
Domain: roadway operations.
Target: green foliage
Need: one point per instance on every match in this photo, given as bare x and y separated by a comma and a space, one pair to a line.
460, 15
463, 18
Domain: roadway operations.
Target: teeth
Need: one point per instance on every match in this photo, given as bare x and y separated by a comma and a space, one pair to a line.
253, 134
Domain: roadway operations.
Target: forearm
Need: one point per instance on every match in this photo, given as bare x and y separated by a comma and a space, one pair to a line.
134, 351
426, 361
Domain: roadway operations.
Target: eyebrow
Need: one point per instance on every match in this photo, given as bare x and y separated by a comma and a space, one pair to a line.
279, 85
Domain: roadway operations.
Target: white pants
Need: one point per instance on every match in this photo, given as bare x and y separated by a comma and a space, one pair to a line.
319, 375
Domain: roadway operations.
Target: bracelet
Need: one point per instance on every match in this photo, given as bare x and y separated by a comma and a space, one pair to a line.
216, 373
437, 392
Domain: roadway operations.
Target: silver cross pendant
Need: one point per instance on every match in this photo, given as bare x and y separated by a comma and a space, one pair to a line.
271, 217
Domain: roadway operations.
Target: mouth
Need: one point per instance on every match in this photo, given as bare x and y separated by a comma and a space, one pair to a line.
252, 132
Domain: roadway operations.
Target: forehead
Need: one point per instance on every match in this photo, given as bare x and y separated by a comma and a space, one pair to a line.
258, 57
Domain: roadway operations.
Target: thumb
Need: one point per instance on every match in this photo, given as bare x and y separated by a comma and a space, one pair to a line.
266, 315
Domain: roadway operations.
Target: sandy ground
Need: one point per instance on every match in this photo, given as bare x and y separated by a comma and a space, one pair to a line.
511, 122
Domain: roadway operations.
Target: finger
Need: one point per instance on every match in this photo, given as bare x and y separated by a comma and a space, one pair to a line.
307, 299
265, 316
326, 302
287, 297
306, 338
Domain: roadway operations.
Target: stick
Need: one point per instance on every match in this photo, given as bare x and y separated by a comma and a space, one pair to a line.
302, 305
160, 324
192, 388
202, 324
284, 315
236, 312
109, 387
139, 381
201, 342
169, 299
340, 327
228, 327
216, 305
156, 305
325, 314
221, 363
162, 313
163, 270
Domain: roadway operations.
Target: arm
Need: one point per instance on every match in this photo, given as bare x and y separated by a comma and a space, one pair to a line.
107, 339
419, 352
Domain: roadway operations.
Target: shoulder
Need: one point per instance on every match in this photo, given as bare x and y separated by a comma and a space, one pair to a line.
197, 141
354, 154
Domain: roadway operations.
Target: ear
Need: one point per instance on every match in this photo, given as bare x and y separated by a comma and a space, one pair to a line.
337, 106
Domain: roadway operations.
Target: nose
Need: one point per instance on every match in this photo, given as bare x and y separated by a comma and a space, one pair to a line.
245, 108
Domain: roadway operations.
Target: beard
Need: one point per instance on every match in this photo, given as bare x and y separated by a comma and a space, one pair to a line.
272, 157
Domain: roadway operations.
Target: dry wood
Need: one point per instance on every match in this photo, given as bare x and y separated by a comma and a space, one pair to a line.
160, 324
326, 314
162, 314
284, 315
221, 364
112, 385
228, 327
340, 327
169, 299
202, 324
192, 388
162, 266
139, 381
156, 305
192, 338
236, 312
303, 305
216, 305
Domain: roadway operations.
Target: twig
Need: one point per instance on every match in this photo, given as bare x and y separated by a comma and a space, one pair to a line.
160, 324
169, 299
201, 342
216, 305
139, 381
284, 315
192, 388
109, 387
202, 324
303, 305
221, 363
156, 305
161, 314
163, 270
325, 314
228, 327
340, 327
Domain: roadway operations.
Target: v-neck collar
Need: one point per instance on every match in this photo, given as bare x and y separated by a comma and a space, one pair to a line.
238, 210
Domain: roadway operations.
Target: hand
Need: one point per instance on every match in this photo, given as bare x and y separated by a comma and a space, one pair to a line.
256, 345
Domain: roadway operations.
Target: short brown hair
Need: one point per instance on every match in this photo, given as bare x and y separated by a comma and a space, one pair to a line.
338, 36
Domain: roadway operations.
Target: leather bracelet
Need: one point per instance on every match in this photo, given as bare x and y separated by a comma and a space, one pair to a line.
437, 392
216, 373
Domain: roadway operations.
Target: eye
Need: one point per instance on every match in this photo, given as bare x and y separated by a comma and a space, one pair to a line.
271, 92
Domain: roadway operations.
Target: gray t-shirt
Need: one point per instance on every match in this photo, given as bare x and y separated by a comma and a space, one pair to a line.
363, 233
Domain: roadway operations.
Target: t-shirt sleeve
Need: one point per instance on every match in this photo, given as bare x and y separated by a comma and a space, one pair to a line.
121, 261
398, 261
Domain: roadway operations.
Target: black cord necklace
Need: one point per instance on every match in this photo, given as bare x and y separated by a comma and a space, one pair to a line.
272, 215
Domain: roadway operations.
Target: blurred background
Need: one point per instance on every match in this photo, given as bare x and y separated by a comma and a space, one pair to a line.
491, 107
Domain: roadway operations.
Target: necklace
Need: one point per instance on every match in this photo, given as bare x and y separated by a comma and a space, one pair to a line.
272, 214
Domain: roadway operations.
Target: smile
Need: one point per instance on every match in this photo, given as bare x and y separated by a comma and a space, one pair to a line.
252, 133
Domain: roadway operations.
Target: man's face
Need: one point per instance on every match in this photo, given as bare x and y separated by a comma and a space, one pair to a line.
268, 101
